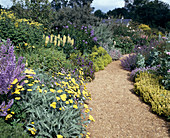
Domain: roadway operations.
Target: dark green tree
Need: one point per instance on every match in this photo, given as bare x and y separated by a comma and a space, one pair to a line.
100, 14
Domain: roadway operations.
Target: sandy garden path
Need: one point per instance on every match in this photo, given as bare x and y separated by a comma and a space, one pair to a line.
117, 111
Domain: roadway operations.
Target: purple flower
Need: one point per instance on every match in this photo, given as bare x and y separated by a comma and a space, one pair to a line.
86, 42
56, 28
49, 36
66, 26
95, 38
9, 71
83, 40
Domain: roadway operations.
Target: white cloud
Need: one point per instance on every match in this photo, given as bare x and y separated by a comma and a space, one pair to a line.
106, 5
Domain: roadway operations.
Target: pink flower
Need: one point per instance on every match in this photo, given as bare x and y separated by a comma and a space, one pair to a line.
139, 47
168, 53
168, 70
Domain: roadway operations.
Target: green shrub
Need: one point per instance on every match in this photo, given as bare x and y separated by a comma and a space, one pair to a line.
100, 58
49, 59
15, 131
148, 87
25, 34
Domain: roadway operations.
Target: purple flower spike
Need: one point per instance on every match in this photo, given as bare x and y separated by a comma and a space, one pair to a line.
95, 38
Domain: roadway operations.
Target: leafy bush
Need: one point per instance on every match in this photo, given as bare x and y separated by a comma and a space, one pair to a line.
10, 76
164, 69
124, 44
148, 87
8, 131
85, 64
115, 54
144, 27
48, 59
25, 34
83, 36
100, 58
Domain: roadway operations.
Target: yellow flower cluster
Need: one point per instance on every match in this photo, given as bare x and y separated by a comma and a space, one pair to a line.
148, 87
72, 89
57, 40
33, 130
144, 27
11, 15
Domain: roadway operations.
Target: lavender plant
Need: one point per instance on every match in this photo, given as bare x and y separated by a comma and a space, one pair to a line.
137, 71
10, 76
129, 63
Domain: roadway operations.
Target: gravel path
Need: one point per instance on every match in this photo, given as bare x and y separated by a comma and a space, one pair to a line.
117, 111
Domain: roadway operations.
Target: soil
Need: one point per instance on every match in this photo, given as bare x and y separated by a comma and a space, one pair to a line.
118, 111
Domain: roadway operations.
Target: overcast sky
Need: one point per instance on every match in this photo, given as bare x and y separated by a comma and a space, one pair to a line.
104, 5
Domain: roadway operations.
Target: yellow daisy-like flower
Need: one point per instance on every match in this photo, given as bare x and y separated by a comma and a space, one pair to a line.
26, 81
59, 136
40, 90
58, 98
67, 102
19, 86
85, 106
12, 112
36, 81
87, 110
8, 116
26, 44
17, 98
30, 84
15, 81
70, 100
52, 90
63, 97
53, 105
60, 91
75, 106
29, 90
91, 118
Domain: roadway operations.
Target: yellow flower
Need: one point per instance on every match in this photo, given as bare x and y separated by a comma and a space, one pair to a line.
36, 81
60, 108
58, 98
33, 46
60, 91
87, 110
8, 116
19, 86
67, 102
30, 84
75, 106
73, 80
91, 118
26, 81
85, 106
42, 84
88, 133
17, 98
63, 97
59, 136
53, 105
26, 44
29, 90
32, 122
34, 129
45, 91
12, 112
40, 90
15, 81
52, 90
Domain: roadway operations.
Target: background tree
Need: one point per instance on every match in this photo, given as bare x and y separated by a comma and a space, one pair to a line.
100, 14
